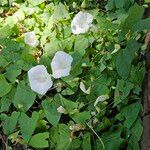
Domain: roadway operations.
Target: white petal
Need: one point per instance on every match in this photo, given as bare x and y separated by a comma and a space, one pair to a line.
81, 22
61, 109
89, 18
101, 99
61, 73
78, 30
88, 91
93, 113
82, 87
61, 64
39, 79
30, 39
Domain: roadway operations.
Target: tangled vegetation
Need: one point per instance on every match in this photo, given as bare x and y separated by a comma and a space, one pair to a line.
96, 102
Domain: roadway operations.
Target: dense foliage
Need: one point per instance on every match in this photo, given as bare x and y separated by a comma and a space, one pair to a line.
98, 106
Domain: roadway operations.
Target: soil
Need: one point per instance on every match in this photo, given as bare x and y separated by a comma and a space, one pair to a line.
145, 142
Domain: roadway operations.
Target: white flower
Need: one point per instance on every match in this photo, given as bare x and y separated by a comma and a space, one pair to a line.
39, 79
30, 39
61, 109
82, 87
61, 64
81, 22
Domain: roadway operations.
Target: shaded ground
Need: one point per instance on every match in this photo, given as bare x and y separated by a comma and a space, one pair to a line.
145, 142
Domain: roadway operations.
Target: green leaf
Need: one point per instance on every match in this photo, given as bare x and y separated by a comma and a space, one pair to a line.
122, 90
80, 44
130, 113
3, 61
110, 5
68, 44
67, 91
60, 137
60, 12
71, 82
112, 138
142, 25
133, 144
6, 101
10, 122
39, 140
76, 65
10, 46
64, 137
12, 72
137, 74
135, 13
81, 117
37, 2
27, 57
76, 143
4, 104
67, 104
100, 84
3, 2
119, 4
106, 24
137, 129
24, 97
5, 87
54, 135
99, 89
52, 47
11, 49
5, 31
147, 1
125, 58
51, 113
46, 59
86, 145
28, 125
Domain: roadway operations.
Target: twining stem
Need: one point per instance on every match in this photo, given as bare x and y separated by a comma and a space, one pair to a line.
96, 135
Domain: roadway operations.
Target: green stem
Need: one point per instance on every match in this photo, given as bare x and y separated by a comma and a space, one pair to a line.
96, 135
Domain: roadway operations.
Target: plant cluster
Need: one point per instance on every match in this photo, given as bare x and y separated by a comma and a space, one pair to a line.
71, 74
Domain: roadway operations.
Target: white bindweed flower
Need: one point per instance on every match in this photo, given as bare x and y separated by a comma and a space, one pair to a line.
82, 87
30, 39
61, 109
39, 79
81, 22
61, 64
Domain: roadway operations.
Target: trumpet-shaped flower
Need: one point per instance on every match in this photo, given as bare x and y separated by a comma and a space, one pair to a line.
81, 22
61, 64
39, 79
30, 39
